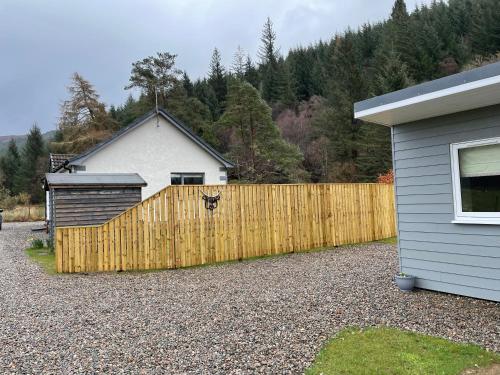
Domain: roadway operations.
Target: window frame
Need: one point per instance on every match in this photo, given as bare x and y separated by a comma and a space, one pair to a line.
469, 217
187, 174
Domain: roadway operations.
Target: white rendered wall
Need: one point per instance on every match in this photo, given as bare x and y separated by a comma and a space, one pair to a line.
47, 206
155, 152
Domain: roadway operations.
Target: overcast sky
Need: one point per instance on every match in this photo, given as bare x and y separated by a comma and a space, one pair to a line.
43, 42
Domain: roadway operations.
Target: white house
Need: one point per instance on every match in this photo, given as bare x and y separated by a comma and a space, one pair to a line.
158, 147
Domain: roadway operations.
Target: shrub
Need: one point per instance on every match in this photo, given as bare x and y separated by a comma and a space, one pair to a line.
37, 244
7, 202
387, 178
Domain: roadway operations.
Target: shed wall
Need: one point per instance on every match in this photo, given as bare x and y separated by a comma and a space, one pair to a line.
454, 258
92, 206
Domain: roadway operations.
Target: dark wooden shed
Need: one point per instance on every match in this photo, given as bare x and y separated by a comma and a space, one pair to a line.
90, 198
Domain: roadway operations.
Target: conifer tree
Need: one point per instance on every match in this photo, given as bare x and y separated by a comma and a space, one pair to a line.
10, 165
33, 166
460, 13
251, 73
485, 33
392, 73
187, 84
320, 62
217, 80
401, 36
347, 85
374, 143
429, 51
130, 110
286, 84
206, 94
238, 66
269, 55
260, 153
300, 69
193, 113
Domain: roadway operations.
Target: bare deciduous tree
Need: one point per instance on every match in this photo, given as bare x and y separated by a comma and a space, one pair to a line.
83, 121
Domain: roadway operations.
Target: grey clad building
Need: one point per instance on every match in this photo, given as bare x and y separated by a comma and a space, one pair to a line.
446, 158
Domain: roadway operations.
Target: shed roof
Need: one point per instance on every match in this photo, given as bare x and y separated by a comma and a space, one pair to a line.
93, 179
56, 161
78, 160
460, 92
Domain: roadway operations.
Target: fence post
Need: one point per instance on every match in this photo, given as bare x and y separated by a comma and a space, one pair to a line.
373, 209
58, 248
240, 223
173, 226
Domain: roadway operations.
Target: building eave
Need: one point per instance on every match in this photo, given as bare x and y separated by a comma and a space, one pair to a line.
464, 91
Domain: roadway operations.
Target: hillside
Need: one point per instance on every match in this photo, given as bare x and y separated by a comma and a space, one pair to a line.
20, 140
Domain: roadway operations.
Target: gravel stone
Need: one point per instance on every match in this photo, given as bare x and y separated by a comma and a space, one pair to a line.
268, 316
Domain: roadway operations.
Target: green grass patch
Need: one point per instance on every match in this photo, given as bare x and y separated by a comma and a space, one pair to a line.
44, 257
390, 240
391, 351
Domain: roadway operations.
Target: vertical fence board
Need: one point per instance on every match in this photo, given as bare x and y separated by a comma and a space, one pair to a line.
105, 249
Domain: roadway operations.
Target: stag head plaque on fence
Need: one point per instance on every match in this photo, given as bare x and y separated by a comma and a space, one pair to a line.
211, 201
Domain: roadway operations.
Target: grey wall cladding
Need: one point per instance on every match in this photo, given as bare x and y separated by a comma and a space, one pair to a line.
455, 258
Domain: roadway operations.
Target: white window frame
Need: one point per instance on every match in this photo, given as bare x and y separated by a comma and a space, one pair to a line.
469, 217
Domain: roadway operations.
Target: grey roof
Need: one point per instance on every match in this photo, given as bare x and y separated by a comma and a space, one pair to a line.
93, 179
77, 160
56, 161
477, 74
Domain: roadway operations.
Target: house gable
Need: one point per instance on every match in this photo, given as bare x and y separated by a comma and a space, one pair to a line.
155, 150
171, 120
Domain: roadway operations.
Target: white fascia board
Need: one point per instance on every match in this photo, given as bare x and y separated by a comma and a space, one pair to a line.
428, 97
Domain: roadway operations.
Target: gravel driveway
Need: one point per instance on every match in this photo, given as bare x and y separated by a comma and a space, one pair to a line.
263, 316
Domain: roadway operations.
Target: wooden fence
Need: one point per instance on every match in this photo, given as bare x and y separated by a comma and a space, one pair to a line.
174, 229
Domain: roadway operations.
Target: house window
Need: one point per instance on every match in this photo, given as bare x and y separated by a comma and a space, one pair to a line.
476, 181
187, 178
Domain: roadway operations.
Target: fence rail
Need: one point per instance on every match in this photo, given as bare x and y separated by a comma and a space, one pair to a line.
174, 229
